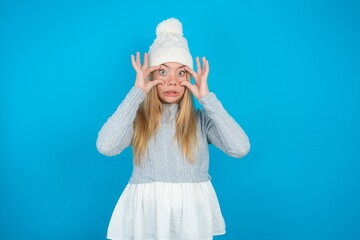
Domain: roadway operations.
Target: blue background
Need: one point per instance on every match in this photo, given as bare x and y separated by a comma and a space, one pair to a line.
287, 71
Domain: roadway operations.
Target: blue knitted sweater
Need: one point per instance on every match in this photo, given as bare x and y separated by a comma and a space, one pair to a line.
164, 160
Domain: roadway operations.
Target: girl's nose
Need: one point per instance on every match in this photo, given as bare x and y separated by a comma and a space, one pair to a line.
172, 80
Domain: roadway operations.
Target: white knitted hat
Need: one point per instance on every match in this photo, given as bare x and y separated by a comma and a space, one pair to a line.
170, 45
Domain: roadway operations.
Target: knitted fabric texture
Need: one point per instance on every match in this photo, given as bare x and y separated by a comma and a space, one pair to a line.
170, 45
164, 160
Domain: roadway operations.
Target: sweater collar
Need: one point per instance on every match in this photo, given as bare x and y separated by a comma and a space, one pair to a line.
169, 111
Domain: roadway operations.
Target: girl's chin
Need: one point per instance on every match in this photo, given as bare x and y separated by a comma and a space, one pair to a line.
169, 100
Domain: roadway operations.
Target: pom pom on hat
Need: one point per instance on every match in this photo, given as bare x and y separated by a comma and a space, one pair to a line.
170, 45
171, 25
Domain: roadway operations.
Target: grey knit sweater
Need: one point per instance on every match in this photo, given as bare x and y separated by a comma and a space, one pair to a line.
164, 160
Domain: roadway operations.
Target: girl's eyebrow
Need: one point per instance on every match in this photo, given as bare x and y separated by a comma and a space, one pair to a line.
169, 67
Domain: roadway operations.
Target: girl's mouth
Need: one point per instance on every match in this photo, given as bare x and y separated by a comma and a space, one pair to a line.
171, 93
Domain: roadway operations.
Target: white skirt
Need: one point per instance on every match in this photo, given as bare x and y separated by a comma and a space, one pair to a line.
167, 211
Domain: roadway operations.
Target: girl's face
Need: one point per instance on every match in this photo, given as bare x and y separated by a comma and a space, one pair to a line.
173, 73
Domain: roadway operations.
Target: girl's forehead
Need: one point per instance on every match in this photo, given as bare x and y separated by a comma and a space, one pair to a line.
173, 65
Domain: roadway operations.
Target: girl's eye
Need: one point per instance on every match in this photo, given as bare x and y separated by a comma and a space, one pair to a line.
162, 72
182, 73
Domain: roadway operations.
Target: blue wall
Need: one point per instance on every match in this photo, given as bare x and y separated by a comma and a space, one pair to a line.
287, 71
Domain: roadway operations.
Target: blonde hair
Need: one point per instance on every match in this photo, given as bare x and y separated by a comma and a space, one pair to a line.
148, 120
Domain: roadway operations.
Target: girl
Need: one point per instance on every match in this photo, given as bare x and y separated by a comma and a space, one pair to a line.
169, 194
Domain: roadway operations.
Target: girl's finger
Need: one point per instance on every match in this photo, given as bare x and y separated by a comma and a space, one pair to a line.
198, 66
156, 82
192, 72
204, 63
207, 69
145, 61
138, 59
134, 63
189, 86
153, 68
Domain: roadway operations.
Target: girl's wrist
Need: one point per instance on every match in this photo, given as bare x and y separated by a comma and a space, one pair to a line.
205, 97
204, 94
140, 88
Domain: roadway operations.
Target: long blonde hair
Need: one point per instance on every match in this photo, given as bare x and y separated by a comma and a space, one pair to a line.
148, 120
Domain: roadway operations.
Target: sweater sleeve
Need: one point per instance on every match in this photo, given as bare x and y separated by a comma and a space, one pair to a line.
221, 129
116, 134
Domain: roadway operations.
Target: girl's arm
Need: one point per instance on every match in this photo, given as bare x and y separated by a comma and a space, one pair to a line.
221, 129
116, 134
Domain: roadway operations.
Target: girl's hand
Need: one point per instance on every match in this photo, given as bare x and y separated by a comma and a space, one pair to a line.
142, 73
200, 88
